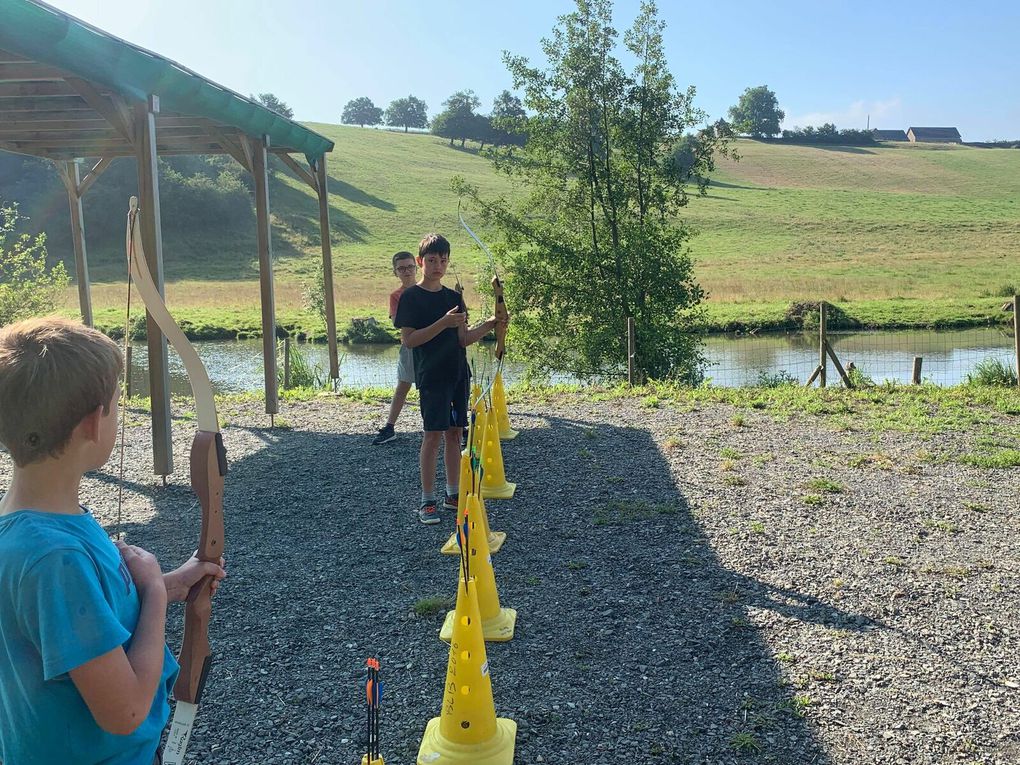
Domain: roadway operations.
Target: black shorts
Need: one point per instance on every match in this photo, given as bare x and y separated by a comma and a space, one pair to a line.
444, 405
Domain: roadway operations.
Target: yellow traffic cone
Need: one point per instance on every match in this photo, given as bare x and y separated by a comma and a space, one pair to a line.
506, 433
496, 538
497, 623
494, 483
467, 732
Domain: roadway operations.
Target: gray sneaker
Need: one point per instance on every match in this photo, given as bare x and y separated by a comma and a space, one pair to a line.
386, 435
450, 502
428, 513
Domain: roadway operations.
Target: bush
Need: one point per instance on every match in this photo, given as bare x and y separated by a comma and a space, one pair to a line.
365, 331
992, 372
27, 287
778, 379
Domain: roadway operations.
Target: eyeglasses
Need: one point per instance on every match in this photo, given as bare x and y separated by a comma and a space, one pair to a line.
405, 269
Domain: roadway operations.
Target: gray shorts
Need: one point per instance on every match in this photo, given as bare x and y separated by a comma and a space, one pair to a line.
405, 365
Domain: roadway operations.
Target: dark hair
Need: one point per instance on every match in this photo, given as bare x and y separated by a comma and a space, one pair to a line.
402, 255
433, 244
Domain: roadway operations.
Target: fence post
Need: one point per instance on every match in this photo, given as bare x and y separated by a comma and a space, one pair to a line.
1016, 334
127, 371
822, 340
631, 350
286, 362
915, 378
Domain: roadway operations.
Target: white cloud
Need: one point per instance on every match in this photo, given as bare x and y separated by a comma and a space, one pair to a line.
853, 116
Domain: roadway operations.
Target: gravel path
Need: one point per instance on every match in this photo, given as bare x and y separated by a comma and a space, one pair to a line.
692, 587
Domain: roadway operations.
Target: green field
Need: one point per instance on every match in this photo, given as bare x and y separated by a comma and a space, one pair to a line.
897, 234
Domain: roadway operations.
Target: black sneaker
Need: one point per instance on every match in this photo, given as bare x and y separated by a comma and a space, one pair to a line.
428, 513
450, 502
385, 435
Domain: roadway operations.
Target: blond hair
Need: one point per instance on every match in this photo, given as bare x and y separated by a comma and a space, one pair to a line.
53, 373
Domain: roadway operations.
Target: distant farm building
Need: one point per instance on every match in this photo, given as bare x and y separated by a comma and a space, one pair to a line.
889, 135
934, 135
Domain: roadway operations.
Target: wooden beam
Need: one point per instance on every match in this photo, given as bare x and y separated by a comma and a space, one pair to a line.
111, 112
301, 173
260, 172
29, 71
81, 262
52, 103
54, 126
66, 137
839, 367
231, 143
31, 89
93, 175
7, 57
152, 240
10, 116
322, 191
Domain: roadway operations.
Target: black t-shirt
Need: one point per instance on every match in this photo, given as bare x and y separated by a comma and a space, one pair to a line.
441, 360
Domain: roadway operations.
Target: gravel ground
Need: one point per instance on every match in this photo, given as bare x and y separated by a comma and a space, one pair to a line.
691, 587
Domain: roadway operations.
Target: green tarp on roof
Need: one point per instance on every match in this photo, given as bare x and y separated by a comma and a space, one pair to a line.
42, 33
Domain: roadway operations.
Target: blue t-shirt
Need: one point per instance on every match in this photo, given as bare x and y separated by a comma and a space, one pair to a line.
66, 598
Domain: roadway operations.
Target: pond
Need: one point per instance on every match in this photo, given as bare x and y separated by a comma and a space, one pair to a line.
948, 356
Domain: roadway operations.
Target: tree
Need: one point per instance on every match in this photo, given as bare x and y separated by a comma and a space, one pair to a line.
757, 113
594, 236
409, 112
457, 120
272, 102
508, 117
27, 287
361, 111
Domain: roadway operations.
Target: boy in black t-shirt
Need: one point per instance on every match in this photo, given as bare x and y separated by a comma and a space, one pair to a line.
433, 322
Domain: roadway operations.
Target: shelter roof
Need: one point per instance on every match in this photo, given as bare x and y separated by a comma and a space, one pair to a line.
66, 88
889, 135
935, 133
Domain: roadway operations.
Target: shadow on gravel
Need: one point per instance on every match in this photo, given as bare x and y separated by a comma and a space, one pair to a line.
634, 643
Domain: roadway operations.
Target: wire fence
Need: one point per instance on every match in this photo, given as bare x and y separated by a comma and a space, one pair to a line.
947, 357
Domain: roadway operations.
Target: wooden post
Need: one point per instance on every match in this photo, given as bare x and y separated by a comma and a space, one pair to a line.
327, 266
631, 349
839, 367
286, 362
822, 340
81, 263
260, 160
915, 376
1016, 335
152, 240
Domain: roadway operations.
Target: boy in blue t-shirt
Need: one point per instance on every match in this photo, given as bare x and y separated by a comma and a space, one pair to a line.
85, 673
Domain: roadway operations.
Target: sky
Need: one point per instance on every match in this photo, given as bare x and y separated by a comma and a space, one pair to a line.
901, 64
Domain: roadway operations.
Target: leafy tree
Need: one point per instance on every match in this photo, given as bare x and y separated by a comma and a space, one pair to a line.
409, 112
757, 113
27, 287
457, 120
508, 117
482, 130
272, 102
595, 236
361, 111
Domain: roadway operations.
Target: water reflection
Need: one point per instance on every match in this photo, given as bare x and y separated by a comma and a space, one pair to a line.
236, 366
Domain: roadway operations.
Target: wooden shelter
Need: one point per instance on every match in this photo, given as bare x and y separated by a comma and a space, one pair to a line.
934, 135
69, 90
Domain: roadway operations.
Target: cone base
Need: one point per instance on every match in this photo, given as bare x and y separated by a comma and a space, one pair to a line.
496, 540
509, 434
499, 492
498, 629
374, 761
498, 750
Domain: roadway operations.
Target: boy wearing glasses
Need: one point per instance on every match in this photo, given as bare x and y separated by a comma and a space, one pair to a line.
405, 270
433, 322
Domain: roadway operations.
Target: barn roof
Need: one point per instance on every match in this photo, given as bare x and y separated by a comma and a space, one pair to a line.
936, 134
889, 135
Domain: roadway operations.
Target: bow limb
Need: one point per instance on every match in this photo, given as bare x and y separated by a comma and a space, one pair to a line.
502, 315
208, 468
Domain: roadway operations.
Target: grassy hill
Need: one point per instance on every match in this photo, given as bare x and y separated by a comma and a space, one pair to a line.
926, 232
